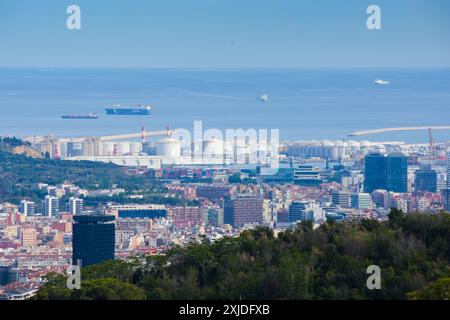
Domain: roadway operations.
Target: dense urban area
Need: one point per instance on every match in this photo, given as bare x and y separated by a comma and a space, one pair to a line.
143, 224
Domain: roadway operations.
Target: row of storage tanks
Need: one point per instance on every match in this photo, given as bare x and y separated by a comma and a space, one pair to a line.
121, 148
166, 147
75, 149
332, 150
170, 147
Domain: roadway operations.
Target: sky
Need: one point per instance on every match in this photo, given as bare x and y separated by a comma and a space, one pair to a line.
225, 34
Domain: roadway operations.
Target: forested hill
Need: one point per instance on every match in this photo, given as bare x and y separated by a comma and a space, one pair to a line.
330, 262
19, 172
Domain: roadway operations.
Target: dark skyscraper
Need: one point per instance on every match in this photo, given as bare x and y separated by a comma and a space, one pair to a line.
8, 274
374, 171
243, 209
93, 239
396, 172
389, 173
446, 191
425, 180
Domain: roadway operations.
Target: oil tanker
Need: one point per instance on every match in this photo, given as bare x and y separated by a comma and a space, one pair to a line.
139, 110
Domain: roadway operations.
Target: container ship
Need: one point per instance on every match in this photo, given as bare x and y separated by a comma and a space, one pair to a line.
128, 111
80, 116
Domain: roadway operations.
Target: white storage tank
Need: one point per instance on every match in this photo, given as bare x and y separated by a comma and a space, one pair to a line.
135, 147
326, 143
108, 148
123, 148
213, 147
168, 147
213, 151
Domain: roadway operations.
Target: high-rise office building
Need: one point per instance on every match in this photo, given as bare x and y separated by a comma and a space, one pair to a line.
448, 171
300, 211
446, 191
374, 171
75, 206
341, 199
27, 207
425, 180
215, 217
307, 176
51, 206
93, 239
441, 181
151, 211
360, 200
8, 274
396, 172
389, 173
446, 199
243, 209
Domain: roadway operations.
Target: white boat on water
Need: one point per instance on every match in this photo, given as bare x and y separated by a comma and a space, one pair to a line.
381, 82
264, 98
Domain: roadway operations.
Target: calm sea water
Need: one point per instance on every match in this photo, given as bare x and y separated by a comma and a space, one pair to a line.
303, 103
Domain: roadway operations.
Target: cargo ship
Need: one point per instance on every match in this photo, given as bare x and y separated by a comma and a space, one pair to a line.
80, 116
128, 111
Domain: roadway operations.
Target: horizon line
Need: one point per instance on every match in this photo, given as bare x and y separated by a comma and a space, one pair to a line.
223, 68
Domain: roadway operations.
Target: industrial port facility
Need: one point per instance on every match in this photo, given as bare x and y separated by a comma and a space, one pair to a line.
155, 149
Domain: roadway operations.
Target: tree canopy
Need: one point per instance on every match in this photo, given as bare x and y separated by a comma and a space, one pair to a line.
329, 262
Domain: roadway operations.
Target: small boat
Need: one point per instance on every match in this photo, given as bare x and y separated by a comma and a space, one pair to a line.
264, 98
381, 82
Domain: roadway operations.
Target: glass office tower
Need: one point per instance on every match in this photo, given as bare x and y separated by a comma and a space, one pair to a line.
374, 171
425, 179
396, 172
93, 239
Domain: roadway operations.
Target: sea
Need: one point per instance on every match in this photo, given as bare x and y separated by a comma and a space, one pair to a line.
303, 104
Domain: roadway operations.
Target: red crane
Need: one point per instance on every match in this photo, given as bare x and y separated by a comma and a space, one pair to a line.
431, 142
143, 135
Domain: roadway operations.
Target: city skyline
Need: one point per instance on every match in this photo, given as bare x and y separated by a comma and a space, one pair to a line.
254, 151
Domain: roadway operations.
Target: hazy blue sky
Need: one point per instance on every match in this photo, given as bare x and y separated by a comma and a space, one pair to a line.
225, 33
